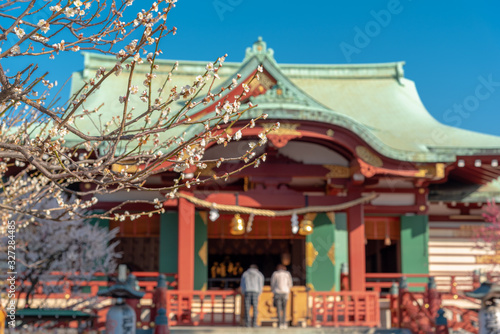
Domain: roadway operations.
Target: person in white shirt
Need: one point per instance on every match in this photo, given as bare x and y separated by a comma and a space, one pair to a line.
281, 282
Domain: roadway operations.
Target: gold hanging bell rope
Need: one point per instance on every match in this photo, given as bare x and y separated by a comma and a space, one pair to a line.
272, 213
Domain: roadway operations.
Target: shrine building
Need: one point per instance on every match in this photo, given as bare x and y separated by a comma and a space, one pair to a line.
396, 192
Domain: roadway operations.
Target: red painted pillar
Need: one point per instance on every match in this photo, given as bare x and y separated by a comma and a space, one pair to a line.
186, 245
357, 266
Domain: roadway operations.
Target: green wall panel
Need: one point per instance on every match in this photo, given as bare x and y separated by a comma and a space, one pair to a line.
415, 247
341, 245
169, 227
200, 252
321, 274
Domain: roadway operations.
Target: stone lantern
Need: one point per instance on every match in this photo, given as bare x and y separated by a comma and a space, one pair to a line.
121, 318
489, 315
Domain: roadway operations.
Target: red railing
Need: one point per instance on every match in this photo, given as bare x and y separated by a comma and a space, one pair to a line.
63, 288
195, 308
378, 281
346, 308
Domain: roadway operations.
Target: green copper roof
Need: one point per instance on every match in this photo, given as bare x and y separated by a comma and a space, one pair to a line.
488, 192
373, 100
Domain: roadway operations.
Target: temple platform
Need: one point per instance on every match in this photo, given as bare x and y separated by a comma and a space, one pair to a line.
273, 330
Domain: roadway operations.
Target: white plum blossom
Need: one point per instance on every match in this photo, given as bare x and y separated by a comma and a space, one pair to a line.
80, 143
76, 249
15, 49
134, 89
19, 32
228, 108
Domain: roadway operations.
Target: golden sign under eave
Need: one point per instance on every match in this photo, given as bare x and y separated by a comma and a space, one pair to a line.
118, 168
284, 129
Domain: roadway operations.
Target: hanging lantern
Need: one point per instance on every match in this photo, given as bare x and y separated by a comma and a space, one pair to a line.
237, 225
387, 239
306, 226
286, 259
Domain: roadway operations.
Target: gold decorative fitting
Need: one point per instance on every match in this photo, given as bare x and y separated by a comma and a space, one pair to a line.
203, 216
237, 225
208, 170
331, 254
421, 190
331, 216
368, 156
203, 253
422, 208
330, 133
436, 171
337, 172
264, 83
311, 254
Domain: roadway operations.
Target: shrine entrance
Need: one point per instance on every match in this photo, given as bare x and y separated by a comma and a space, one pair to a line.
383, 246
269, 242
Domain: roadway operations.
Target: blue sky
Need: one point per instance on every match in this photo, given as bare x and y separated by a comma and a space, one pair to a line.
451, 49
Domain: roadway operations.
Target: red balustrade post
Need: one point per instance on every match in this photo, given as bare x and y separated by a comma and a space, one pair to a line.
476, 279
394, 306
433, 297
161, 322
134, 303
159, 297
344, 277
453, 289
